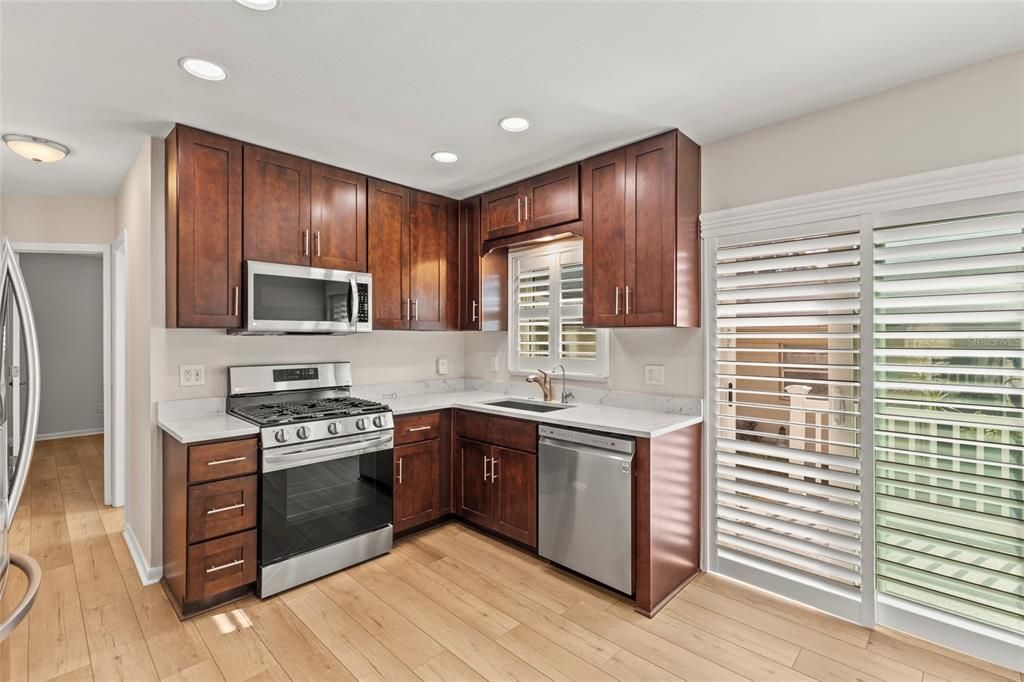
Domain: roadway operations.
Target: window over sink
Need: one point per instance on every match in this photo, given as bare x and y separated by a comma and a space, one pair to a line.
546, 313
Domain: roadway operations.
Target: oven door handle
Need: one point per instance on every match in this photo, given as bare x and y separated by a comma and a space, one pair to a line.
276, 461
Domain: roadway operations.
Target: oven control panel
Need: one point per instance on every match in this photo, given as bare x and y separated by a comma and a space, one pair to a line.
294, 434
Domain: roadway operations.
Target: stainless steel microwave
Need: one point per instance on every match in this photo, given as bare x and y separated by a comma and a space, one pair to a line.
295, 299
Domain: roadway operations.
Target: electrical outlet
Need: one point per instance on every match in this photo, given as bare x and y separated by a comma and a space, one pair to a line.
191, 375
654, 375
494, 363
442, 365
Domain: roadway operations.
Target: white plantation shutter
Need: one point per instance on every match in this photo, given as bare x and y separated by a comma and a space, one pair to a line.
949, 412
787, 441
547, 312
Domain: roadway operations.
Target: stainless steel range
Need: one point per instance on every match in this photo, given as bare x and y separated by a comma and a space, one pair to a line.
325, 470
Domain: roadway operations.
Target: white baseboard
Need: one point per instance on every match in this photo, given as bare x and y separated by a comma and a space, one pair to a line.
69, 434
147, 574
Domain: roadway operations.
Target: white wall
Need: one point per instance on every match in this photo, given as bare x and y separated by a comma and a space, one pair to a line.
67, 303
75, 220
680, 351
971, 114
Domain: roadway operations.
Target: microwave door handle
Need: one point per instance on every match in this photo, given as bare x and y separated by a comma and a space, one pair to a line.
353, 301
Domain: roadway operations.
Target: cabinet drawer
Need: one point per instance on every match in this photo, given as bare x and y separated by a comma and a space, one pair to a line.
220, 508
516, 434
221, 565
215, 461
413, 428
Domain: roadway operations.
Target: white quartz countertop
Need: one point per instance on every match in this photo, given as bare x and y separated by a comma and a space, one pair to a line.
605, 418
194, 421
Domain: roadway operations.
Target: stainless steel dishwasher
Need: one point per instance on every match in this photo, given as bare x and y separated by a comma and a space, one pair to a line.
585, 504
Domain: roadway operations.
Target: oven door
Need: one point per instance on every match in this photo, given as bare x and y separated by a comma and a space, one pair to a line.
293, 299
314, 497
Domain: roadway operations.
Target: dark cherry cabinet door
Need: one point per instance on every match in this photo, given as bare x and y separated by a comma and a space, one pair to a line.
417, 495
277, 206
650, 248
431, 243
204, 229
552, 198
501, 212
514, 495
472, 481
388, 253
469, 265
338, 215
604, 239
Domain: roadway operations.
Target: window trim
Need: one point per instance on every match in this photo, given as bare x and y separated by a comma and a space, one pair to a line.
603, 336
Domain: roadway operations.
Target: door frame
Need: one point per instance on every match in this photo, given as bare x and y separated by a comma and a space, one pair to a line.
113, 457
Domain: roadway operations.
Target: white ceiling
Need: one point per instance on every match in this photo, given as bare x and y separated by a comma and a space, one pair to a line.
376, 86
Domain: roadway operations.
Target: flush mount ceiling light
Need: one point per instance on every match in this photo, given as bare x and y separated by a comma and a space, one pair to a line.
260, 5
514, 124
201, 68
445, 157
37, 149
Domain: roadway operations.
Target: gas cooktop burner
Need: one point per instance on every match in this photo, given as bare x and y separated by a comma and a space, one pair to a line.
307, 410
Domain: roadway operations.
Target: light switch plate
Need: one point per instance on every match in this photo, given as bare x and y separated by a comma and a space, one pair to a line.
442, 366
654, 375
191, 375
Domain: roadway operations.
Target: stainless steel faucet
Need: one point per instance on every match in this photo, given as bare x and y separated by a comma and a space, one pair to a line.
566, 395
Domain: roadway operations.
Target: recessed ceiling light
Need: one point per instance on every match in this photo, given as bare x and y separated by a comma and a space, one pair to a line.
445, 157
36, 149
514, 124
201, 68
261, 5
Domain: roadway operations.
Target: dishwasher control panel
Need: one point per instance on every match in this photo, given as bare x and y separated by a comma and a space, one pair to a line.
595, 440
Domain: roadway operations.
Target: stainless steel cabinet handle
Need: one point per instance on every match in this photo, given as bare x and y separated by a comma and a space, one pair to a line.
474, 311
494, 470
318, 243
526, 201
627, 299
400, 470
519, 210
485, 468
420, 428
236, 562
219, 510
225, 461
408, 308
416, 309
616, 300
238, 299
305, 242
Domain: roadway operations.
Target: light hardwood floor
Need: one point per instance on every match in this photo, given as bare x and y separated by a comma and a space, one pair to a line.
449, 604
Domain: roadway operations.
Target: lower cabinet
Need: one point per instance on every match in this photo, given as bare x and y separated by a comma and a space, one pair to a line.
496, 488
417, 495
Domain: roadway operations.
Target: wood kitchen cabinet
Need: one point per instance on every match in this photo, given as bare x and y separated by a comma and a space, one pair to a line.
546, 200
483, 277
204, 229
422, 468
641, 249
413, 255
338, 216
495, 462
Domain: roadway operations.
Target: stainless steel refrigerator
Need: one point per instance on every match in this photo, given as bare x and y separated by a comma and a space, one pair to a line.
19, 418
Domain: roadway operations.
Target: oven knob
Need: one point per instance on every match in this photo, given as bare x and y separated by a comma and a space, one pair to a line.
303, 432
378, 421
333, 428
361, 424
280, 436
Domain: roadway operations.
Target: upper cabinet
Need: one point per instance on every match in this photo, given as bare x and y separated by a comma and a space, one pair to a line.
204, 229
483, 277
641, 249
543, 201
338, 217
413, 254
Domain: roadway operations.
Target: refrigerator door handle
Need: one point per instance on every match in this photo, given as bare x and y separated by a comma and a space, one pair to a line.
13, 285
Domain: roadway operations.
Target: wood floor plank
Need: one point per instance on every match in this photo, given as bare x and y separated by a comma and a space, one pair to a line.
116, 644
549, 658
359, 651
952, 653
447, 667
560, 630
824, 669
56, 630
51, 546
401, 637
234, 645
83, 674
206, 671
476, 650
809, 637
628, 667
944, 665
14, 649
295, 647
664, 654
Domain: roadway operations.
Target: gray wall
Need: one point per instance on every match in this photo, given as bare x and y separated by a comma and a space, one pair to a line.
67, 301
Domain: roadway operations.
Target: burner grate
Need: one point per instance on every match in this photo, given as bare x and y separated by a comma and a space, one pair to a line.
306, 410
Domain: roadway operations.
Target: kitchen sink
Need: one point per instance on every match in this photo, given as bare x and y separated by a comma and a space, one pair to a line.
528, 405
